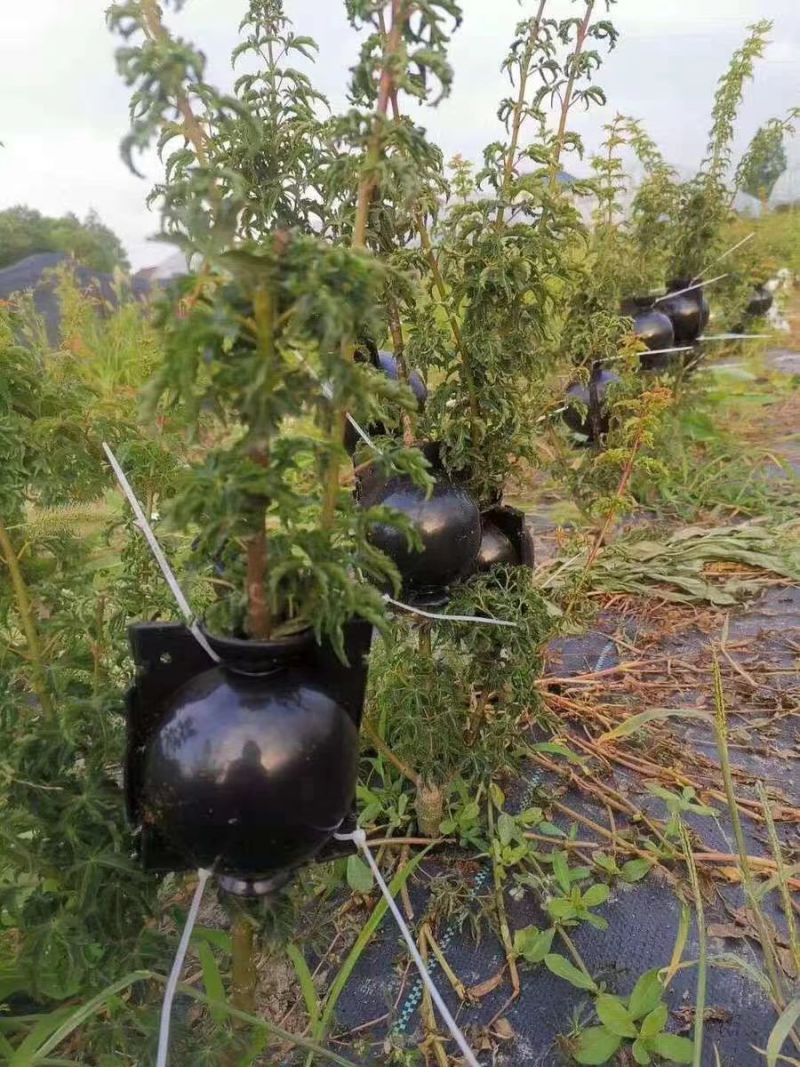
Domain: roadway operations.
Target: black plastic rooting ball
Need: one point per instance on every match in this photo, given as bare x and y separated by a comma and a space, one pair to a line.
386, 363
760, 302
506, 539
496, 548
448, 523
689, 312
248, 766
595, 420
654, 328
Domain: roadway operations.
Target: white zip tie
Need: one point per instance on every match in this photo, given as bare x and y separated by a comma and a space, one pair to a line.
555, 411
161, 559
689, 288
177, 966
363, 434
736, 337
359, 839
725, 255
662, 351
446, 618
327, 390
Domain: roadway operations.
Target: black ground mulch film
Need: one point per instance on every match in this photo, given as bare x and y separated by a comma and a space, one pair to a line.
643, 919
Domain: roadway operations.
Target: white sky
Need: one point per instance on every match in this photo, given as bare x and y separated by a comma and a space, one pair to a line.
63, 108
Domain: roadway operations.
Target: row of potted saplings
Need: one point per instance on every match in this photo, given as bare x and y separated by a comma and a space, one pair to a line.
245, 760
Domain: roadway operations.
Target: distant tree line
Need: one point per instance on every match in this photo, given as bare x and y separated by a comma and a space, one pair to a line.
24, 231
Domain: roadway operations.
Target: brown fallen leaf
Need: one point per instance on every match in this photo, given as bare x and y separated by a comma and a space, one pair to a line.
483, 989
727, 930
503, 1030
685, 1016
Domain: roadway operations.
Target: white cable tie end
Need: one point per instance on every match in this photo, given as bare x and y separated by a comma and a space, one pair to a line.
358, 837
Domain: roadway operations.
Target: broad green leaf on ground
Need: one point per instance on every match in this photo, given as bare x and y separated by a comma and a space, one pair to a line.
613, 1014
673, 1048
646, 995
596, 1045
562, 968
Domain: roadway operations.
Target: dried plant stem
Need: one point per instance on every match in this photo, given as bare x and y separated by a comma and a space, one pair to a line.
784, 881
447, 970
27, 620
500, 906
573, 951
721, 735
432, 1037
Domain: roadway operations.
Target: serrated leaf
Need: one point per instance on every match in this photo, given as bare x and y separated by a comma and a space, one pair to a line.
562, 968
596, 1045
646, 995
613, 1014
674, 1048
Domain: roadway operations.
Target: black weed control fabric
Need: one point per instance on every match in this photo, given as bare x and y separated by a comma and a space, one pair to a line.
643, 919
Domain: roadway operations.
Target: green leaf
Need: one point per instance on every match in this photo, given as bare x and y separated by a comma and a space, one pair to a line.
506, 828
636, 722
212, 979
307, 987
596, 1045
675, 1048
533, 944
613, 1014
561, 870
361, 942
640, 1052
596, 895
561, 909
654, 1023
359, 876
56, 1027
781, 1030
562, 968
635, 870
646, 995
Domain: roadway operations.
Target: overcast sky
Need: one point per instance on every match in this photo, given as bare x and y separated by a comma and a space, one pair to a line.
63, 108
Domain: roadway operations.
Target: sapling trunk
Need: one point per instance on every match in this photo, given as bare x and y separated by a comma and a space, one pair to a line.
243, 970
192, 129
429, 807
25, 612
516, 123
259, 615
566, 102
396, 330
366, 189
429, 803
